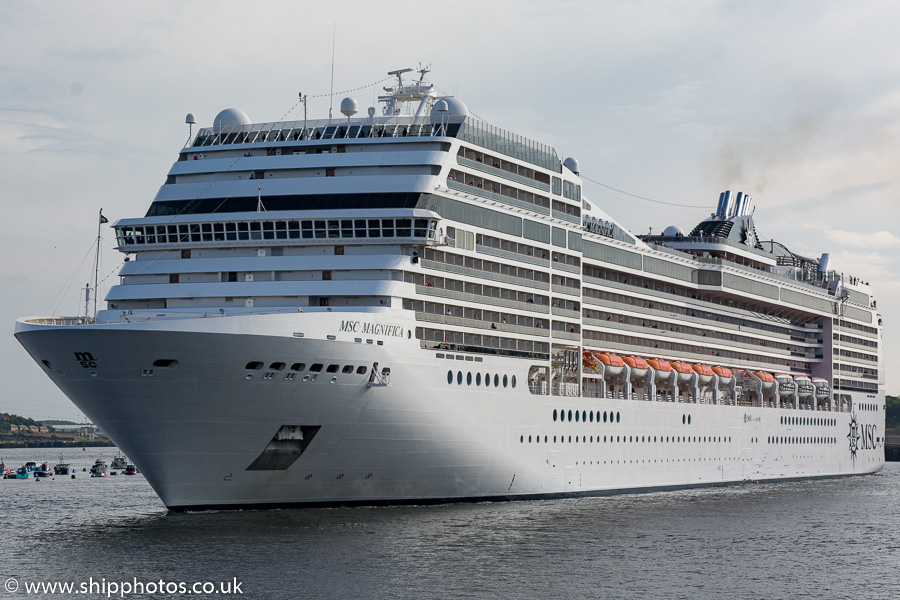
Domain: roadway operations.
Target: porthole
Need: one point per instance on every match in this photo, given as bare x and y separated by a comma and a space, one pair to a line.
514, 381
577, 416
333, 368
316, 368
47, 364
277, 366
570, 416
554, 415
496, 380
487, 379
618, 417
469, 378
683, 419
298, 367
592, 416
170, 363
254, 366
689, 419
347, 369
459, 378
361, 370
529, 439
504, 381
554, 439
477, 378
604, 416
450, 377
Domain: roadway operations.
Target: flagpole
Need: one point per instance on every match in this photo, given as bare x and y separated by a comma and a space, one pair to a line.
100, 222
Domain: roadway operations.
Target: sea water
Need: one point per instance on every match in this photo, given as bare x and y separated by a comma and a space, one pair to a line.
831, 538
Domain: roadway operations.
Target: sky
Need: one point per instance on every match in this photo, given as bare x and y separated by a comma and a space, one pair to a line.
670, 103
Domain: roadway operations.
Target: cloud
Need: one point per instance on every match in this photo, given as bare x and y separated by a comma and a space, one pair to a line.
876, 239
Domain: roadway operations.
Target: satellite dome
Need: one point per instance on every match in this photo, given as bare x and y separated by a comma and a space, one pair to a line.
673, 230
230, 119
446, 108
572, 164
349, 107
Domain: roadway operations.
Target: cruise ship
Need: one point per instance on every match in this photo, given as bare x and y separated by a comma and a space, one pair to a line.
415, 306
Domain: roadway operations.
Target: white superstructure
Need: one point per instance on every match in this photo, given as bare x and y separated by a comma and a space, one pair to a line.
417, 306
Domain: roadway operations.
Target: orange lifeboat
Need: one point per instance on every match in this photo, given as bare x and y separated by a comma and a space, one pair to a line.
613, 364
635, 362
588, 361
610, 360
704, 371
765, 377
684, 370
659, 364
662, 369
723, 372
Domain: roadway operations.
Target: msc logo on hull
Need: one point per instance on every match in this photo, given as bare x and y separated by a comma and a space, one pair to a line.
86, 360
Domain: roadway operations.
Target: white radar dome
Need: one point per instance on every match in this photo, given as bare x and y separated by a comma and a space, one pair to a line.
673, 231
445, 108
572, 165
349, 107
230, 119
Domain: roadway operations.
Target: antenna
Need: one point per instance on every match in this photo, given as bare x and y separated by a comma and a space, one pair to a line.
331, 99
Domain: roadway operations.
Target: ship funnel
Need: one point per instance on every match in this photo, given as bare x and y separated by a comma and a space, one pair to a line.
824, 262
720, 208
728, 204
737, 204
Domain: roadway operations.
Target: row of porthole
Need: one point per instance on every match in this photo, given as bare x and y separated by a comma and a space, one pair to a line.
802, 440
300, 367
866, 406
586, 416
507, 381
808, 421
631, 439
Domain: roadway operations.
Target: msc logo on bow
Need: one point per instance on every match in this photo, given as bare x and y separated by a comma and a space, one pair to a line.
86, 359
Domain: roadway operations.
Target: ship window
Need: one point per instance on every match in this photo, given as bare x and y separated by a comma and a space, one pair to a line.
604, 416
333, 229
347, 369
374, 228
316, 368
554, 415
162, 362
477, 378
469, 378
298, 367
514, 381
387, 227
459, 377
361, 370
449, 376
332, 368
570, 416
277, 366
306, 229
504, 381
359, 226
618, 417
496, 380
254, 366
404, 227
421, 227
584, 415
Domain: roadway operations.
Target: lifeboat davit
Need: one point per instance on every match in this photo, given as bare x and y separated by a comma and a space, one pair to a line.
786, 385
704, 371
588, 362
684, 370
804, 386
823, 388
613, 364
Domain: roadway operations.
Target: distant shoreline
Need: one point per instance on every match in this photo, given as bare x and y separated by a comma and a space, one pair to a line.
9, 445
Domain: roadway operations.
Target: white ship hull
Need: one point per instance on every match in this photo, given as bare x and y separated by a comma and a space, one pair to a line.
194, 428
